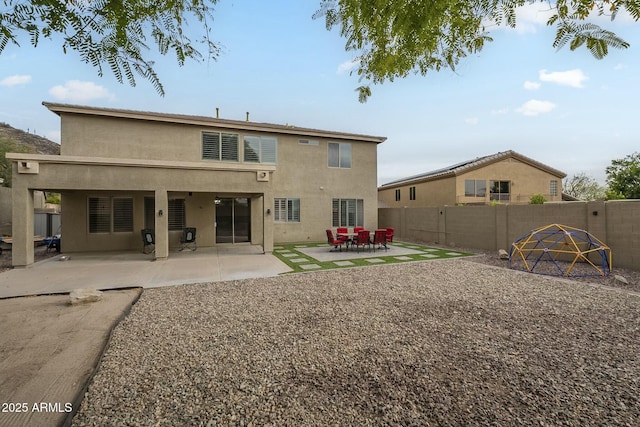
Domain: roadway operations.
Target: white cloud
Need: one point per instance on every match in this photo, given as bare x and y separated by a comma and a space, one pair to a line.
535, 107
472, 121
531, 85
528, 18
573, 78
619, 66
15, 80
348, 66
78, 91
500, 111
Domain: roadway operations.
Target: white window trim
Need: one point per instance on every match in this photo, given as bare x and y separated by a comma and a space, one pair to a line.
282, 212
221, 148
341, 146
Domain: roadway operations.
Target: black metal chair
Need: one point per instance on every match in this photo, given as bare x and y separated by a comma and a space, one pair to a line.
188, 239
148, 241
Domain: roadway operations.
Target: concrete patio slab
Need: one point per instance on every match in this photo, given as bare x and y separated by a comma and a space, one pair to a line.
322, 253
113, 270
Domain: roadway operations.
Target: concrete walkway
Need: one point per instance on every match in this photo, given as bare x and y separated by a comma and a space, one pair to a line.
49, 349
116, 270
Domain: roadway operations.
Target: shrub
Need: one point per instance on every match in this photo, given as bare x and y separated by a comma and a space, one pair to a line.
537, 199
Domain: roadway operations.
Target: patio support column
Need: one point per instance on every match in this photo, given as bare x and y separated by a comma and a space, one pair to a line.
162, 224
267, 245
22, 225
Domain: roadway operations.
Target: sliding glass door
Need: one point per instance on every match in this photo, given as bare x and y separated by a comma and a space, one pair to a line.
233, 220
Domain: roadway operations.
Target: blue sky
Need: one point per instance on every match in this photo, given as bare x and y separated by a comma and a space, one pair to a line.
565, 109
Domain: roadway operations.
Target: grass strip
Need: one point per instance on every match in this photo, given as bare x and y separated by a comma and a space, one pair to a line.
289, 252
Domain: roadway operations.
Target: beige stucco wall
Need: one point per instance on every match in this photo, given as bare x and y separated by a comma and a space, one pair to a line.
495, 227
526, 180
115, 156
95, 136
303, 173
428, 193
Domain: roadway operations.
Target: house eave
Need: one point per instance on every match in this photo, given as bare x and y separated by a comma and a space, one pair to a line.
208, 122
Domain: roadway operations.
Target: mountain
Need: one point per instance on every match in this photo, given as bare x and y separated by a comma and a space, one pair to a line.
32, 143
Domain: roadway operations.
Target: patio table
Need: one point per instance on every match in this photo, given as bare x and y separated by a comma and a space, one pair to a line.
349, 237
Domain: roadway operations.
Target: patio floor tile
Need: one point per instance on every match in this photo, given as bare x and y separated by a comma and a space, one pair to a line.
376, 260
309, 266
343, 263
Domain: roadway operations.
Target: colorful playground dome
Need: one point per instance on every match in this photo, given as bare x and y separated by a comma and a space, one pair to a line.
560, 250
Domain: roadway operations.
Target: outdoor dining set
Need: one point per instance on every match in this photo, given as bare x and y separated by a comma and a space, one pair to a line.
359, 237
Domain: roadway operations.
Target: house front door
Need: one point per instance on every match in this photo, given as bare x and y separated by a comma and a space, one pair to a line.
233, 220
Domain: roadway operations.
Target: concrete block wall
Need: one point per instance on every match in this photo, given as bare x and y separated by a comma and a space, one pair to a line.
615, 223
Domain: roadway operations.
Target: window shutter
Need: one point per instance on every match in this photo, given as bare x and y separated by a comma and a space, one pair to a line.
269, 150
122, 214
280, 210
176, 214
211, 146
252, 149
230, 147
99, 215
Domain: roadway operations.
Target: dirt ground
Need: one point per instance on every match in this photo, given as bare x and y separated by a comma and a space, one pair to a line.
39, 253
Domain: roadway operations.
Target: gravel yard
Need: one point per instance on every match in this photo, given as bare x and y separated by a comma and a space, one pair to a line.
451, 342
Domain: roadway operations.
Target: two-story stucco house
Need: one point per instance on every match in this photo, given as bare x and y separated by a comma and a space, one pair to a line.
505, 177
121, 171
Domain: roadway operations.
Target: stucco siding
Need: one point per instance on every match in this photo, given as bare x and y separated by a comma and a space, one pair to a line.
525, 181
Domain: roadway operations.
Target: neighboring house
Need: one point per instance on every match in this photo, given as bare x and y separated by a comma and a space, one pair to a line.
505, 177
121, 171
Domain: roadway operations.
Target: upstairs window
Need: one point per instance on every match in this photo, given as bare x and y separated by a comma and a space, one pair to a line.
339, 155
475, 188
260, 149
220, 146
398, 195
553, 187
412, 193
499, 190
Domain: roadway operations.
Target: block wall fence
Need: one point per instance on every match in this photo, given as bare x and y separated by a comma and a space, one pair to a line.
616, 223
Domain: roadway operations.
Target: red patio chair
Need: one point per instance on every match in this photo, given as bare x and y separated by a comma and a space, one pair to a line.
362, 239
380, 239
389, 234
336, 243
357, 229
342, 233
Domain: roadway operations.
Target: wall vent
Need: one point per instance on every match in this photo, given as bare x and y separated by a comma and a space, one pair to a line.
308, 142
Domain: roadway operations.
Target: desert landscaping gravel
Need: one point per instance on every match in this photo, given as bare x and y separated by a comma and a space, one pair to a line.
450, 342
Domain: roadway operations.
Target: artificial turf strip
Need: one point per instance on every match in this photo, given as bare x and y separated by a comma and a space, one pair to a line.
284, 253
